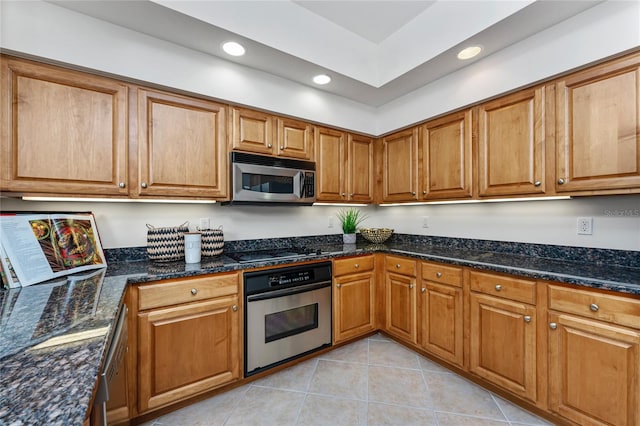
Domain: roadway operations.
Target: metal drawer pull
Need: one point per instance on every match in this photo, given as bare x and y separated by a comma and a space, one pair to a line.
422, 290
560, 181
410, 285
553, 325
498, 287
122, 185
269, 146
234, 308
398, 265
527, 318
594, 307
338, 285
356, 266
438, 274
143, 184
194, 291
537, 183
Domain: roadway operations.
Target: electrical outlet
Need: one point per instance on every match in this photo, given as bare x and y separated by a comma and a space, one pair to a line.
425, 221
585, 226
205, 223
330, 222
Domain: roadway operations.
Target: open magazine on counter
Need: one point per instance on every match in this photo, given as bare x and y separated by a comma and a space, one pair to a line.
36, 247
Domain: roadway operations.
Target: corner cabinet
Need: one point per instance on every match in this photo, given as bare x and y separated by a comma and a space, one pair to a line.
188, 338
503, 332
400, 166
353, 297
182, 146
344, 166
598, 128
63, 132
511, 144
400, 298
594, 357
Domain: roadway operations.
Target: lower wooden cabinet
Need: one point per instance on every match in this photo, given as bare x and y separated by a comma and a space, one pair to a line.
188, 341
400, 298
353, 298
440, 312
502, 333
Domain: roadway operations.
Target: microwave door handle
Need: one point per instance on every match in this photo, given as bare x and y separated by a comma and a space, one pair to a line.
301, 184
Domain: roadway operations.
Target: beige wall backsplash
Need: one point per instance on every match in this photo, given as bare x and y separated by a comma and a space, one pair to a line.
616, 220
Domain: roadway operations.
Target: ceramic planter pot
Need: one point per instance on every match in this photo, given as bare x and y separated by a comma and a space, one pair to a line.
349, 238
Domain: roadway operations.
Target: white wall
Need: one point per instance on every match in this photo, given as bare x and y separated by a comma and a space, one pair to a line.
616, 220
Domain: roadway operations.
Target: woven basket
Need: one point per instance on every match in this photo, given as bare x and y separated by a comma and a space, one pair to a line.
212, 242
166, 244
376, 235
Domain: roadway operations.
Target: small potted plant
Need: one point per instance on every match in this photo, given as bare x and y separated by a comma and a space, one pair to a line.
350, 219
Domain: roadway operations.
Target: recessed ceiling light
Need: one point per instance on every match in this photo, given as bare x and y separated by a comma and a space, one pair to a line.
321, 79
469, 52
233, 48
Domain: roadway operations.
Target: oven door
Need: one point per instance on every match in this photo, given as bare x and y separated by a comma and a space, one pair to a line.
284, 324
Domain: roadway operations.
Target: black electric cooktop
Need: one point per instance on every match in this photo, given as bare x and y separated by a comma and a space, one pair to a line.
270, 254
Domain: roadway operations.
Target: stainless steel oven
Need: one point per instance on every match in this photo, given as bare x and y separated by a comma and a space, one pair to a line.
258, 179
287, 314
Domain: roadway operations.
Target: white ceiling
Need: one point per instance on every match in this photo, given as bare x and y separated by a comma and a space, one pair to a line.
375, 51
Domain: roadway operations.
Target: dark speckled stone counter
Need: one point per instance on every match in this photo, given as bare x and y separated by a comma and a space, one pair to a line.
55, 384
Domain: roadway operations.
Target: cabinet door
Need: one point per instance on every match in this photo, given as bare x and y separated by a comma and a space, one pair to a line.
330, 161
181, 146
441, 321
594, 371
360, 169
446, 157
511, 144
400, 166
252, 131
187, 349
295, 139
353, 305
401, 306
503, 343
598, 127
64, 132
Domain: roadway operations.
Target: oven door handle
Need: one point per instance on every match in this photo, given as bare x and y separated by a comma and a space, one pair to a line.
287, 291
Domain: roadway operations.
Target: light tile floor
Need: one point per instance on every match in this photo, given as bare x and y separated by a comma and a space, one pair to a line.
373, 381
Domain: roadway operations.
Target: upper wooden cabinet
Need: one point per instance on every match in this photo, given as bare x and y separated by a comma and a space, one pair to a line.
262, 133
511, 144
252, 131
446, 166
181, 146
598, 127
344, 166
63, 132
400, 166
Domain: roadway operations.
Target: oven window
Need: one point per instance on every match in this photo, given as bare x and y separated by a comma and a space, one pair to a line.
267, 183
290, 322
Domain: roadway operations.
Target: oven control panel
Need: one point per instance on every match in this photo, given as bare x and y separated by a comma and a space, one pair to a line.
290, 278
270, 279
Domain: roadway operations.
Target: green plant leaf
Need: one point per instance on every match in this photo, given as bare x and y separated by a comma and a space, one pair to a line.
350, 219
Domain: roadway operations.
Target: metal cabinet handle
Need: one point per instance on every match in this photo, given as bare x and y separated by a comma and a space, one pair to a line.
537, 183
356, 266
350, 195
410, 285
498, 287
422, 290
282, 147
560, 181
397, 265
269, 146
424, 192
343, 194
122, 185
527, 318
438, 274
234, 308
194, 291
553, 325
594, 307
143, 184
413, 192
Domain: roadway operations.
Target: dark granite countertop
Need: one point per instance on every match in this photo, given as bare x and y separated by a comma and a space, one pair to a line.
54, 384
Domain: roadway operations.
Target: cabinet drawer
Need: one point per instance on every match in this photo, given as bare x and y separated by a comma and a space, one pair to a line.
591, 304
351, 265
444, 274
173, 292
400, 265
511, 288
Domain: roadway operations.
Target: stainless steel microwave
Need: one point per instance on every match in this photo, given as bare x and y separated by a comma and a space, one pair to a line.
258, 179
